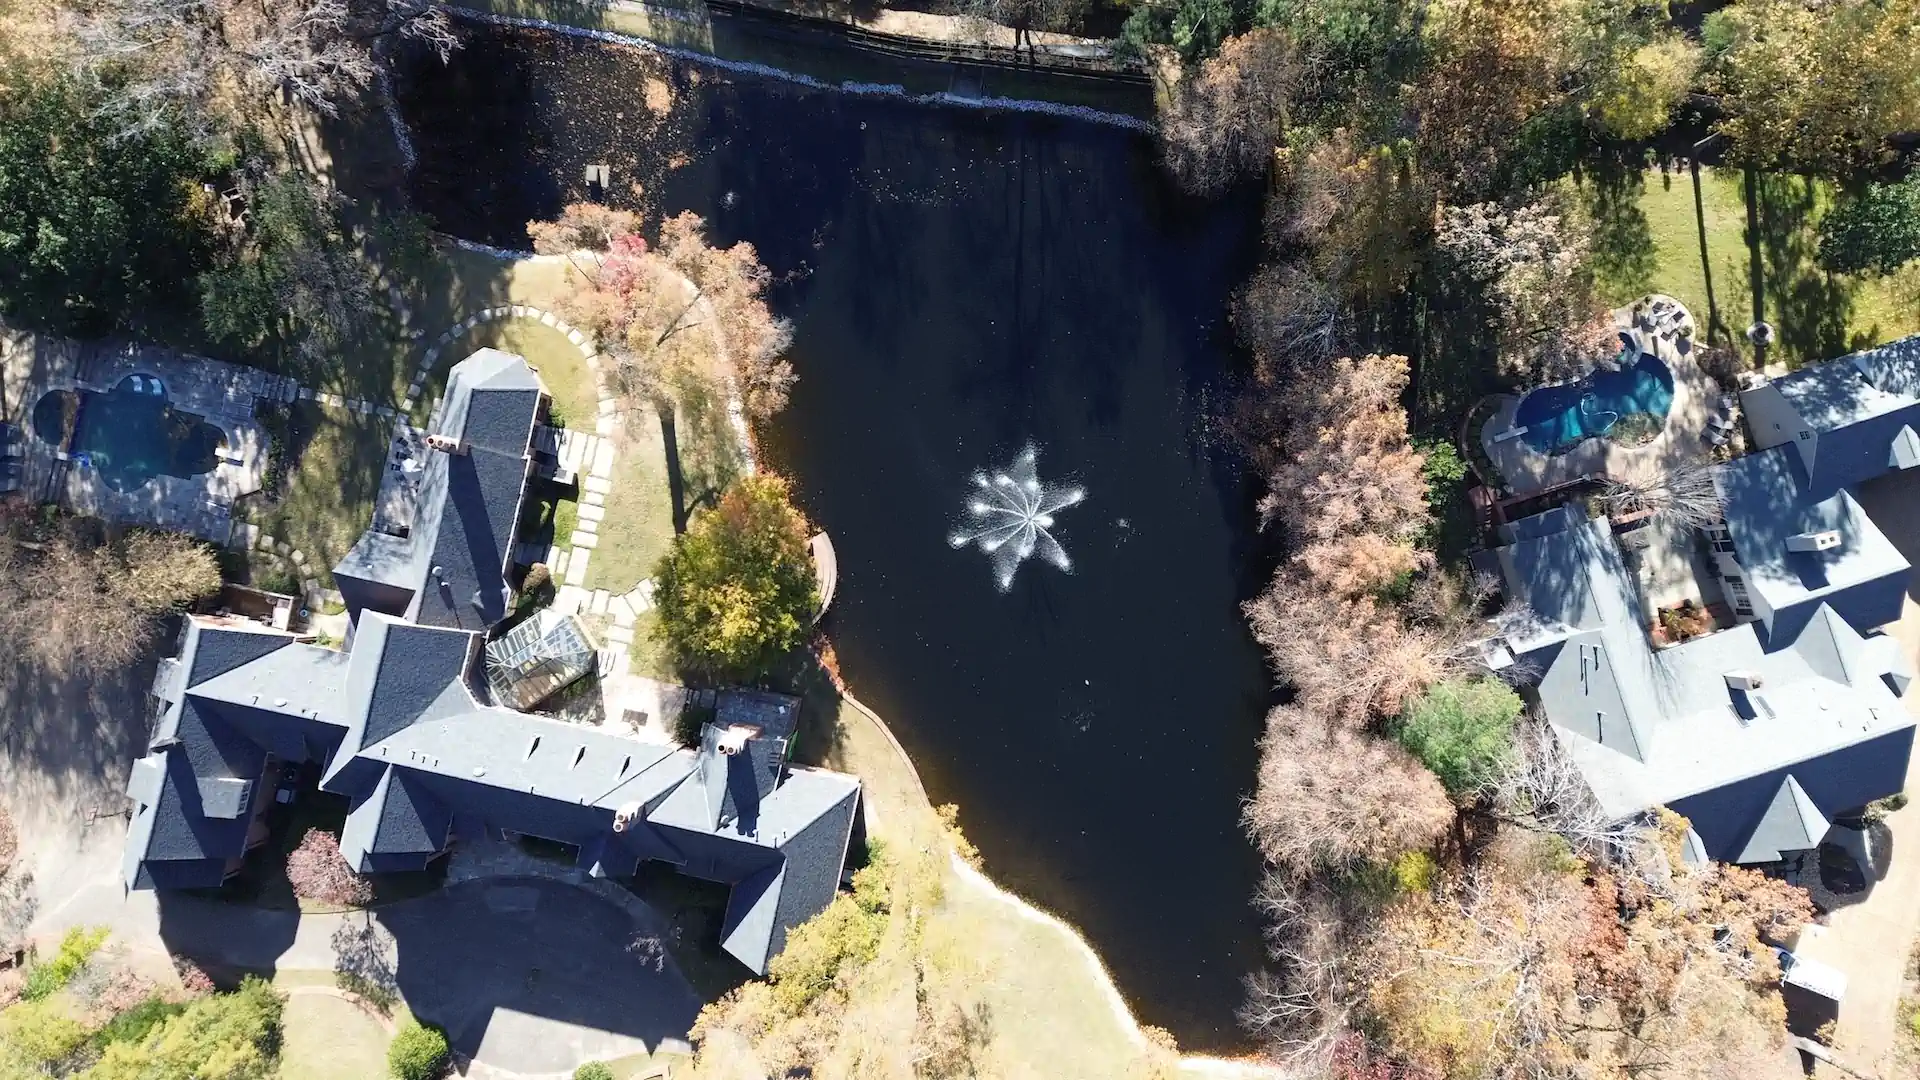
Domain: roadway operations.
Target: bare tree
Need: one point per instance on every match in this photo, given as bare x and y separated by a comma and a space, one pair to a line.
317, 871
1227, 115
1330, 797
162, 60
68, 603
1683, 494
1316, 935
1289, 311
1540, 788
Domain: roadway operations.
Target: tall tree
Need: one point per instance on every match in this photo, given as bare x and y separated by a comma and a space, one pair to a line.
737, 589
70, 603
97, 232
1815, 86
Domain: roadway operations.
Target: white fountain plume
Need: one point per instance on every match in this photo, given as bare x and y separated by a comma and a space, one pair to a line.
1010, 515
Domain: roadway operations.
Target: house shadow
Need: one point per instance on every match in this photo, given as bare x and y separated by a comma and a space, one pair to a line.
524, 974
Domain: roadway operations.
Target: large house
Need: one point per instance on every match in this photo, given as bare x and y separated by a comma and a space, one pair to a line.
402, 723
1786, 716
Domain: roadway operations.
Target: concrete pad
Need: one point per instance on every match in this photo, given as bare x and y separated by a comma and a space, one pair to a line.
568, 599
557, 561
598, 485
600, 598
604, 426
549, 318
593, 498
603, 459
586, 526
520, 311
621, 634
306, 394
621, 611
576, 337
577, 566
585, 540
591, 513
609, 406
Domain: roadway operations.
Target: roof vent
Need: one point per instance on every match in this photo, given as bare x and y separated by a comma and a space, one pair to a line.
625, 764
624, 817
479, 770
532, 746
1824, 540
578, 756
1743, 680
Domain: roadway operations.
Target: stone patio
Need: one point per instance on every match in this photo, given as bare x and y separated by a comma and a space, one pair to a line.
1696, 399
219, 393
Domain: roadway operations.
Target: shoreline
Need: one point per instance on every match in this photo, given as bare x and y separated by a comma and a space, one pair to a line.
1226, 1068
947, 98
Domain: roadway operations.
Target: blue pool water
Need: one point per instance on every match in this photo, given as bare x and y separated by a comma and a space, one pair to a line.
1557, 417
129, 434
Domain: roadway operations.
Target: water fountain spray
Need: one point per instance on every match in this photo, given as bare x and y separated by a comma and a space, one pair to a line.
1009, 515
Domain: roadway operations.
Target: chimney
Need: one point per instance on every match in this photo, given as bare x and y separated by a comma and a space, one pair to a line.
446, 444
1743, 680
624, 817
1824, 540
734, 739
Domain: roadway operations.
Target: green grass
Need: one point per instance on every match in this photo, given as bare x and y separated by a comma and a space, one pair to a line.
576, 396
1648, 230
325, 1038
638, 526
334, 459
647, 655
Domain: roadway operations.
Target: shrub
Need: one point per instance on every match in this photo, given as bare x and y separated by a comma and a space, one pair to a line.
76, 949
593, 1070
317, 871
40, 1032
1879, 231
737, 590
418, 1052
134, 1024
1462, 729
218, 1037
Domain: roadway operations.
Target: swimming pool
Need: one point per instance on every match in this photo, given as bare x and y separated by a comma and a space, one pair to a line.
1558, 417
130, 434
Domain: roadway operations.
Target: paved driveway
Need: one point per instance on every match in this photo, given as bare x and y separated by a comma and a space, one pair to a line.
1871, 940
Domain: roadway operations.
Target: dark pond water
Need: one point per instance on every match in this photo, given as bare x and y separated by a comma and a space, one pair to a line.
963, 283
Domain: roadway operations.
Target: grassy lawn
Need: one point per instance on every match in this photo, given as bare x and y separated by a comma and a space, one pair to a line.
638, 526
1648, 230
324, 501
326, 1038
576, 397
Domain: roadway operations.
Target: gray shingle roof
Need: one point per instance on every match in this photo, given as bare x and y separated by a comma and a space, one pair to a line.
403, 730
1691, 741
1861, 406
1766, 502
1792, 823
466, 506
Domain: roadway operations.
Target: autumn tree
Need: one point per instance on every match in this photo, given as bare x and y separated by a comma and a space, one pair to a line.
1333, 446
1225, 118
69, 602
317, 871
1817, 87
164, 60
1526, 267
737, 590
684, 319
1329, 796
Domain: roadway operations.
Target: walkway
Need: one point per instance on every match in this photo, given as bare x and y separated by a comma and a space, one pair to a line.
1526, 470
1871, 941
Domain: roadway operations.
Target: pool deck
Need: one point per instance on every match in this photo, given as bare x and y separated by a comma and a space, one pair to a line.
1527, 471
222, 394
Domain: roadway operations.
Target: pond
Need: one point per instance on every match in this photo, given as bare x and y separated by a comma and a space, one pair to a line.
129, 434
965, 284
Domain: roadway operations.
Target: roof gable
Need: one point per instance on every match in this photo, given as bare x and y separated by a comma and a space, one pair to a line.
1791, 823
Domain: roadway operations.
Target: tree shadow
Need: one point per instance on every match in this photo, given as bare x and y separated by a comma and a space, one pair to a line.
1809, 308
1624, 258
